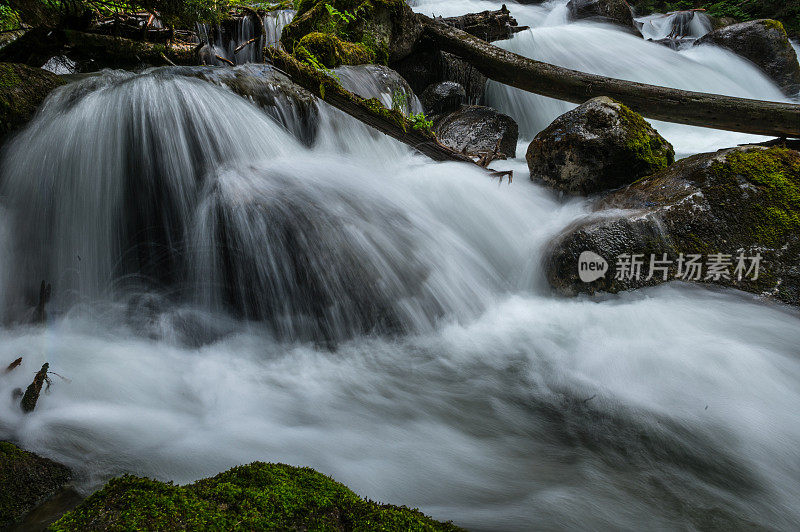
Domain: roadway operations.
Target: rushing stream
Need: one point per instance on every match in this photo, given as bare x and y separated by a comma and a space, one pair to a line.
224, 293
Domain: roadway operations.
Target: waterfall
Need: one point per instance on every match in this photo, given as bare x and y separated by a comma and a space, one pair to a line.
679, 25
242, 273
224, 40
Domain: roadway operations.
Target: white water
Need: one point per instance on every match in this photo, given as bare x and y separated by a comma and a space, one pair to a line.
404, 339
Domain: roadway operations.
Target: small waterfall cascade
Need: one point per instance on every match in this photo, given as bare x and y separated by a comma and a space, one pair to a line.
680, 25
234, 42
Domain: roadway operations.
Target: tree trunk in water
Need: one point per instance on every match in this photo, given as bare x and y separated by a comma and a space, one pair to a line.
371, 112
31, 396
659, 103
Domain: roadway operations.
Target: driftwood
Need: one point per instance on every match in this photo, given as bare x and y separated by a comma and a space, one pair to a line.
659, 103
14, 365
370, 112
31, 396
487, 25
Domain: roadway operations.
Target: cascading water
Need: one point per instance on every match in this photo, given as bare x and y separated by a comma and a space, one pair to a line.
248, 37
225, 293
679, 25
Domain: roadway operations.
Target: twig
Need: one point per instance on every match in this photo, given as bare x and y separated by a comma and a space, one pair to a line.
167, 59
241, 46
231, 63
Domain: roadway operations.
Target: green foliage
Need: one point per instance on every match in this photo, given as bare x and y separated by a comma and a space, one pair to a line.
399, 100
258, 496
421, 123
69, 13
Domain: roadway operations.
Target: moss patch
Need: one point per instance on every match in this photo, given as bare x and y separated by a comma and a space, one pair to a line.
26, 479
362, 29
258, 496
648, 150
775, 174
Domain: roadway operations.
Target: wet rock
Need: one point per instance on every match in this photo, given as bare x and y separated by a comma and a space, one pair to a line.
610, 11
443, 98
487, 25
22, 90
765, 43
429, 66
381, 82
599, 146
475, 129
726, 209
26, 480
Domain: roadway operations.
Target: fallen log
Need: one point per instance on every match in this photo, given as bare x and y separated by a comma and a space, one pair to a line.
658, 103
371, 112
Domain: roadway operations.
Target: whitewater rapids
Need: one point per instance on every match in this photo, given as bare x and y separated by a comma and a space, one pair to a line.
224, 293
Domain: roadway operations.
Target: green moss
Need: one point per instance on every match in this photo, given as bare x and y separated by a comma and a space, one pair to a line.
22, 90
26, 479
648, 151
332, 51
774, 25
775, 173
362, 28
258, 496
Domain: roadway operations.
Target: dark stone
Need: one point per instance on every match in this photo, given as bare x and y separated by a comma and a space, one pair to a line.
765, 43
742, 200
26, 480
475, 129
429, 65
22, 90
599, 146
610, 11
443, 98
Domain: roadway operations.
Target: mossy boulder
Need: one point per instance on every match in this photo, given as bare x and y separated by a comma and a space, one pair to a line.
609, 11
378, 31
739, 203
258, 496
765, 43
26, 480
331, 51
22, 90
600, 146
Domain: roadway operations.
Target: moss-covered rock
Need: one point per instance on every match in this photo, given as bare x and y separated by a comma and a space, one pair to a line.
25, 480
332, 52
599, 146
765, 43
22, 90
258, 496
736, 202
369, 31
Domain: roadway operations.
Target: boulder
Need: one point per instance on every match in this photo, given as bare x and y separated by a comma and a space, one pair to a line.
443, 98
712, 216
26, 480
428, 66
599, 146
765, 43
475, 129
22, 91
609, 11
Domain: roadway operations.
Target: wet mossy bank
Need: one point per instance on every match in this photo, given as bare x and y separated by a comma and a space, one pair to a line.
26, 480
258, 496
